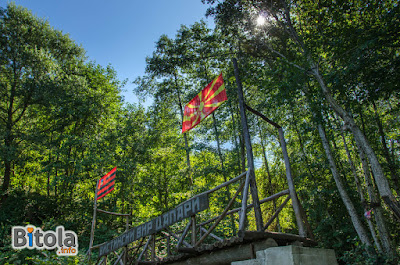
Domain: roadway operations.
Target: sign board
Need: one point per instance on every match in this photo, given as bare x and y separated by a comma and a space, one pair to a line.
182, 211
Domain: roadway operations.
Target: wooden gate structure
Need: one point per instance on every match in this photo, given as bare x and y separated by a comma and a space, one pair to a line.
187, 231
194, 229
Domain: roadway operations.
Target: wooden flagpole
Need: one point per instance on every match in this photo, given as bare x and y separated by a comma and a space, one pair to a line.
249, 150
94, 220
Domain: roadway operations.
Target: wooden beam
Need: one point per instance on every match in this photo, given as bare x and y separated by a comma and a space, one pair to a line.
126, 247
281, 238
292, 189
112, 213
182, 239
100, 261
119, 258
221, 217
97, 246
145, 248
211, 234
153, 248
176, 237
93, 221
262, 116
295, 201
243, 209
223, 184
270, 198
276, 213
193, 220
249, 150
168, 246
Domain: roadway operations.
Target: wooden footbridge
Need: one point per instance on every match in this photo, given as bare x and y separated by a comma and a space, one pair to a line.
189, 234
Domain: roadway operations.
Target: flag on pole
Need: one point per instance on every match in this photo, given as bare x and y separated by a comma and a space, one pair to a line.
106, 184
202, 105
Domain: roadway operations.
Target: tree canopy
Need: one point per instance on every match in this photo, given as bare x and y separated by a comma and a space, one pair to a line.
326, 71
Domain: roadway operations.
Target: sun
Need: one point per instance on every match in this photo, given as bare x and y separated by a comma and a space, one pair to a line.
261, 20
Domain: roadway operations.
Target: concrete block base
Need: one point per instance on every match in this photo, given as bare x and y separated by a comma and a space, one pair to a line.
292, 255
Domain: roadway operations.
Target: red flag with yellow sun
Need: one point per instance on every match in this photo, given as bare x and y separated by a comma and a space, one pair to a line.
202, 105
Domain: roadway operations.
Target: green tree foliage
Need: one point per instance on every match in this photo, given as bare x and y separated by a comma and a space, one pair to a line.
64, 124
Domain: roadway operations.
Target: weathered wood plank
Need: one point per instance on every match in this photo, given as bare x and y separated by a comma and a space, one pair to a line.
112, 213
176, 237
93, 221
119, 258
221, 217
270, 198
211, 234
182, 239
179, 213
223, 184
243, 210
145, 248
292, 189
276, 213
193, 220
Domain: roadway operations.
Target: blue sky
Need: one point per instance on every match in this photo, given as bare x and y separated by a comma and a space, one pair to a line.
121, 32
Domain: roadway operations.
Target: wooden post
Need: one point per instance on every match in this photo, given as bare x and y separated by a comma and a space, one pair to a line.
249, 150
126, 247
243, 209
292, 189
93, 221
193, 230
295, 201
168, 246
153, 248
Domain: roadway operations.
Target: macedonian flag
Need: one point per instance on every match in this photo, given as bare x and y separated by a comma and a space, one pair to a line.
106, 184
202, 105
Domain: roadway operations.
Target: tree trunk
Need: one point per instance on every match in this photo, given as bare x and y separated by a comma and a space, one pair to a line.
379, 219
386, 154
380, 179
343, 193
302, 149
360, 193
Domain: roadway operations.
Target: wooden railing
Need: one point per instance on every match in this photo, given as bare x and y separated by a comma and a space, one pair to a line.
195, 232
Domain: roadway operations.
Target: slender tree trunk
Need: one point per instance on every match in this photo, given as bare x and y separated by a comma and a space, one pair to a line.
380, 179
9, 140
360, 193
343, 193
302, 149
386, 154
379, 219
